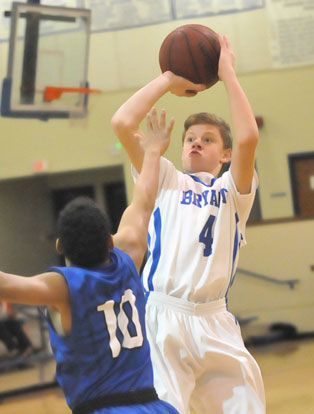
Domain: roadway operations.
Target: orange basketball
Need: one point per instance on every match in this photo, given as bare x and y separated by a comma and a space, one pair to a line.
191, 51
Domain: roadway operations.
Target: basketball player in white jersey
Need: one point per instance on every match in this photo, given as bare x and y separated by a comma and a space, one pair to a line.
195, 232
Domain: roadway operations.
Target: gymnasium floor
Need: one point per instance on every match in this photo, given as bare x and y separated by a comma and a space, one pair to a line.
287, 367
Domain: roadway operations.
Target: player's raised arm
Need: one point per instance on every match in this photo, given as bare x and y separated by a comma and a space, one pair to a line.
132, 232
243, 121
126, 121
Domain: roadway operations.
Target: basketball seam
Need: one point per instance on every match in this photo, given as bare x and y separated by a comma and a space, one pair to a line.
201, 33
192, 57
172, 44
211, 67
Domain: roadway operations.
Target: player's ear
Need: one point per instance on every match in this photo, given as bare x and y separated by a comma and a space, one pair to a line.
59, 246
226, 156
110, 242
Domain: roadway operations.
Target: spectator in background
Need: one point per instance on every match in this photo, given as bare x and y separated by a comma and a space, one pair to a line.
12, 333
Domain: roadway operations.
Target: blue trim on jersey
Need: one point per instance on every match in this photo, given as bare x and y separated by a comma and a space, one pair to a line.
198, 180
148, 254
156, 249
236, 246
148, 244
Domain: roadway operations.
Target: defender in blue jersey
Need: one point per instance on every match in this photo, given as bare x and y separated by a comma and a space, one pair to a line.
95, 305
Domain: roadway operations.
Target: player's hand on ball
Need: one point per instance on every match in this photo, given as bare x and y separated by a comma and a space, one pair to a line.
227, 59
182, 87
158, 132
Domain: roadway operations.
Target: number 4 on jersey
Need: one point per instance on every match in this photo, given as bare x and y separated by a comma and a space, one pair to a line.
206, 235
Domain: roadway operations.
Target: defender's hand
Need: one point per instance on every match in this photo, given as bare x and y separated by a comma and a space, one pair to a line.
158, 133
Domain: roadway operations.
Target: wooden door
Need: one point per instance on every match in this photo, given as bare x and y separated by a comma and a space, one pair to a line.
302, 179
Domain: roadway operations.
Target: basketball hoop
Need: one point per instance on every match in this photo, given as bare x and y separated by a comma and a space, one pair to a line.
54, 92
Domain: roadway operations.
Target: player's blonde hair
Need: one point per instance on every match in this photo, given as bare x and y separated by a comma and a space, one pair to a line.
211, 119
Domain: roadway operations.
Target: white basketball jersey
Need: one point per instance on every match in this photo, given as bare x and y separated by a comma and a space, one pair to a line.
195, 232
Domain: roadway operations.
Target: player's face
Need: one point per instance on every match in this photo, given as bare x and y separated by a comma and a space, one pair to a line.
203, 149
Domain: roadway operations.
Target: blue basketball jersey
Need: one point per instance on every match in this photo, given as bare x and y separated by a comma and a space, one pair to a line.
107, 350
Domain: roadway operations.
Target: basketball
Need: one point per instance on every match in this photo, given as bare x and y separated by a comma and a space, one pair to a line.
191, 51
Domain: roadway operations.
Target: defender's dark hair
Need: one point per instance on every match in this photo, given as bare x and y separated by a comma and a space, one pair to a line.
211, 119
83, 230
